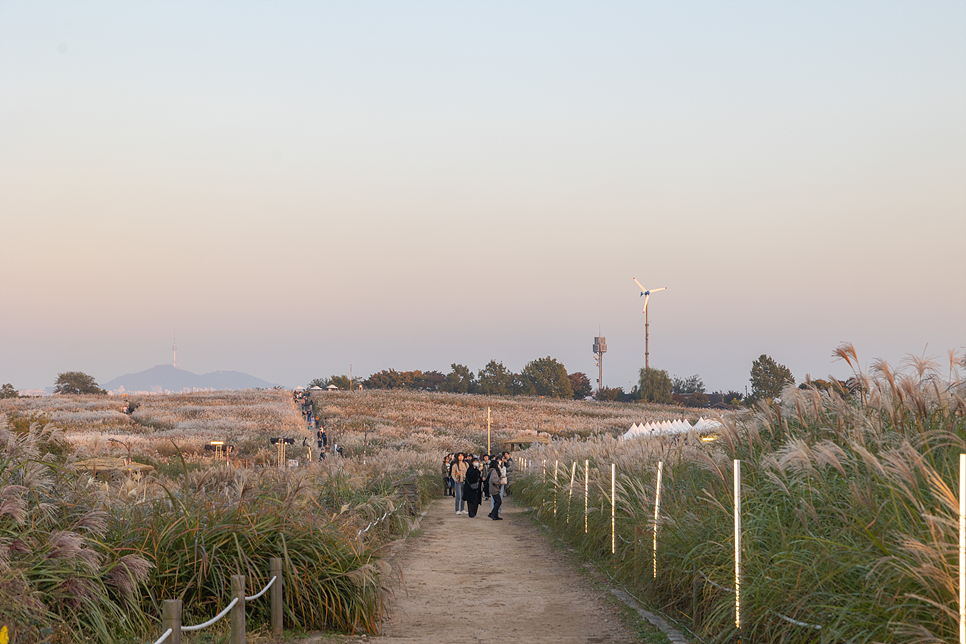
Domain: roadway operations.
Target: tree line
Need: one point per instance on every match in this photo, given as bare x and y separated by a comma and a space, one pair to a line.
548, 377
540, 377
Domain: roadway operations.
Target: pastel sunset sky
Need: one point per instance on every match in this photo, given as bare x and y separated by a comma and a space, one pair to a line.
295, 187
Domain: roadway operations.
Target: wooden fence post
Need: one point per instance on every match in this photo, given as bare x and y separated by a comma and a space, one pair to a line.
238, 610
171, 618
276, 595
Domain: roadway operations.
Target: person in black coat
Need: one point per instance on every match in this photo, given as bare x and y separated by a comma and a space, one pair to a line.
473, 488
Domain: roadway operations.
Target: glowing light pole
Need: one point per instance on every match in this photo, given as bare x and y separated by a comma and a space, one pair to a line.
613, 509
657, 510
570, 495
555, 487
962, 549
738, 544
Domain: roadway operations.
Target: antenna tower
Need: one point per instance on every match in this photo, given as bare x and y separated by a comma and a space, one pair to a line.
600, 348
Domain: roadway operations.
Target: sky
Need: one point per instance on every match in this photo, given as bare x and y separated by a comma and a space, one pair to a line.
296, 187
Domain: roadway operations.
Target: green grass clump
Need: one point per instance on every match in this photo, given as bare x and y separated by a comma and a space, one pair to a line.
86, 560
849, 520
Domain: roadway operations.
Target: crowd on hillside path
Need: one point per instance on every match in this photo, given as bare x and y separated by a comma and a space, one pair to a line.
472, 479
314, 424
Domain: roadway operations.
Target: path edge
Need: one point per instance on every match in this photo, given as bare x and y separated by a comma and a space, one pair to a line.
673, 634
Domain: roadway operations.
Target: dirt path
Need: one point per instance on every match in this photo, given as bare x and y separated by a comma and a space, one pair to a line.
498, 581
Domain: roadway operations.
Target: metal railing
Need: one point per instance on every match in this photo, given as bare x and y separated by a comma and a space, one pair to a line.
172, 608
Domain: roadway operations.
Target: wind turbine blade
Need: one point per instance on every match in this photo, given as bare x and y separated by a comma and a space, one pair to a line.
655, 290
643, 290
646, 298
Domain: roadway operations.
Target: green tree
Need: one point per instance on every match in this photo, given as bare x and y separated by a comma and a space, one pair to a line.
832, 384
610, 394
76, 382
459, 381
389, 379
495, 380
546, 377
768, 378
697, 399
653, 385
342, 382
580, 383
7, 391
428, 380
690, 385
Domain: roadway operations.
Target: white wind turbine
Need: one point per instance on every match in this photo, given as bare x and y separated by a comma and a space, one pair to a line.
647, 295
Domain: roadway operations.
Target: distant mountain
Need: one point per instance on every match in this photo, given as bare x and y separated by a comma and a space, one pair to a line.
166, 378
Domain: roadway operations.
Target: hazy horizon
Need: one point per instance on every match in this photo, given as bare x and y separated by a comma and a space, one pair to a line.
297, 187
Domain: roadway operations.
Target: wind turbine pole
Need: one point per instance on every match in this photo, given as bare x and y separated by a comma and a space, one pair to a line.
647, 321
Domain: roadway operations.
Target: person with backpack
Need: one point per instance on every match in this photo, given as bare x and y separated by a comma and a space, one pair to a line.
473, 488
493, 484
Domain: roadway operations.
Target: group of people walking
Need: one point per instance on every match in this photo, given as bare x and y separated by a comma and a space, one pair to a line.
313, 422
471, 480
322, 442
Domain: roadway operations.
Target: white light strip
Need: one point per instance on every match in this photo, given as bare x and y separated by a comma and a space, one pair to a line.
737, 543
570, 495
657, 510
962, 549
613, 508
555, 463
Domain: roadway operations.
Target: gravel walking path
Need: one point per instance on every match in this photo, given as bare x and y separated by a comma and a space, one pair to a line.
497, 581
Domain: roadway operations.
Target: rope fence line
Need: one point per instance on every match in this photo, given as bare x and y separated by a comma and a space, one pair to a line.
376, 522
262, 591
172, 609
557, 489
164, 636
213, 620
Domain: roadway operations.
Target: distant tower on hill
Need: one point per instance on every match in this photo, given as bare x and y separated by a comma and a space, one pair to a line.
174, 349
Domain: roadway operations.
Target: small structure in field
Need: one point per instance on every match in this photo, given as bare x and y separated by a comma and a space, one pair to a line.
111, 467
523, 441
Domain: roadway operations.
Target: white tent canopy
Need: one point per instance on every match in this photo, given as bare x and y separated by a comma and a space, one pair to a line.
677, 426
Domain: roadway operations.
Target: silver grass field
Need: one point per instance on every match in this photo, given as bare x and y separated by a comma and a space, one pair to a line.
849, 516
